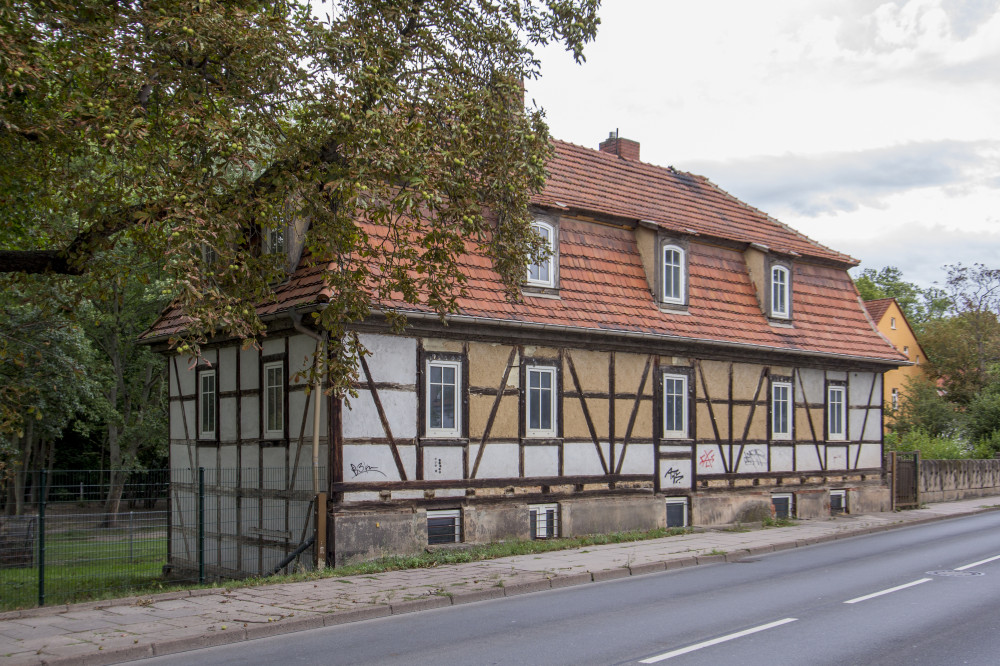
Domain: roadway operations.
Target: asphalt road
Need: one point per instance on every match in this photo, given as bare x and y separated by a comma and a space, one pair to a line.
906, 596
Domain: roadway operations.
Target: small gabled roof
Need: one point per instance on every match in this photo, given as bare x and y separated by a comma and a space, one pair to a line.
589, 180
877, 308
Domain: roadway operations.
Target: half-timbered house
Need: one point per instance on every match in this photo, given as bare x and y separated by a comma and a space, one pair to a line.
681, 358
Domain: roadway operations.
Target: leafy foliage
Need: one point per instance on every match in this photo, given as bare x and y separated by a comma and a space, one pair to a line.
191, 128
919, 305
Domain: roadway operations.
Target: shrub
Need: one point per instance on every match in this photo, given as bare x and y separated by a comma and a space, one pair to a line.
931, 447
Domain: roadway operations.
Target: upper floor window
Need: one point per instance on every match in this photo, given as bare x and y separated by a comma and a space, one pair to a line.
274, 241
781, 410
673, 274
906, 350
274, 399
540, 399
892, 323
836, 412
542, 273
895, 399
675, 406
444, 389
206, 404
780, 292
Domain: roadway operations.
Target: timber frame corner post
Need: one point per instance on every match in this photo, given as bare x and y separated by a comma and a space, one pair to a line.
892, 480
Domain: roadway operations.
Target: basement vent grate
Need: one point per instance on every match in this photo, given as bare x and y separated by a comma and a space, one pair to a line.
954, 574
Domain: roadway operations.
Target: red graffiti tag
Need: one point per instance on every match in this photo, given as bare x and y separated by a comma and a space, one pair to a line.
707, 459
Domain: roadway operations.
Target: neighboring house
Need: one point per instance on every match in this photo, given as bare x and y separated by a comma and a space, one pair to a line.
682, 358
891, 322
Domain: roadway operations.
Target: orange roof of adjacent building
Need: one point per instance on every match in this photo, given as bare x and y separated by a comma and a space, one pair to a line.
602, 284
877, 307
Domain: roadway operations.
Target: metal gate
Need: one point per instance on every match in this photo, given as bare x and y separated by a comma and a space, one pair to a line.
906, 479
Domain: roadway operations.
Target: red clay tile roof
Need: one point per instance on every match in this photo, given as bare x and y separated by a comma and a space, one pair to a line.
589, 180
603, 285
877, 307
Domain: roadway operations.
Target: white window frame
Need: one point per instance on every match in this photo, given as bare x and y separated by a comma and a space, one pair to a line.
553, 391
781, 306
681, 268
273, 238
791, 504
207, 403
836, 424
842, 494
892, 323
541, 525
443, 432
682, 501
453, 514
789, 408
682, 432
271, 393
539, 226
895, 399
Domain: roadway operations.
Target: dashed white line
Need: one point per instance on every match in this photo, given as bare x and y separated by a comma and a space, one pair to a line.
716, 641
976, 564
891, 589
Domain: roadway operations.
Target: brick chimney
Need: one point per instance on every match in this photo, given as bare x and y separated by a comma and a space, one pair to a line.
624, 148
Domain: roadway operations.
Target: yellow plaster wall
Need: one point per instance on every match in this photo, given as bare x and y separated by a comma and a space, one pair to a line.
574, 423
746, 377
439, 345
591, 369
643, 426
487, 364
628, 373
716, 377
901, 338
704, 430
504, 425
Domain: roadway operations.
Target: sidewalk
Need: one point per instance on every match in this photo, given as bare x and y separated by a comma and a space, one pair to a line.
112, 631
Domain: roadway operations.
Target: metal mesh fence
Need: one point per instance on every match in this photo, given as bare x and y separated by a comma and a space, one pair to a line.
75, 535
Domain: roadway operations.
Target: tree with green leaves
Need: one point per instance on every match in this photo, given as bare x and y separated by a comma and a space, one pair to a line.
919, 305
192, 128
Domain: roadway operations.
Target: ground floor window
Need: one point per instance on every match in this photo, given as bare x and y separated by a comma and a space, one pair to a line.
544, 520
677, 512
782, 505
838, 502
444, 526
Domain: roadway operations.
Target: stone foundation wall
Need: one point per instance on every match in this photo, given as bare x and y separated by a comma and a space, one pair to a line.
947, 480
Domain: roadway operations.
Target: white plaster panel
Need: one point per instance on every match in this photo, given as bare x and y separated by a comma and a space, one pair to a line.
638, 459
443, 462
301, 351
227, 368
407, 494
871, 456
450, 492
361, 419
709, 459
361, 497
179, 457
408, 455
227, 457
185, 373
227, 419
297, 401
393, 358
369, 462
855, 421
836, 375
673, 449
272, 346
754, 459
581, 459
274, 466
806, 458
177, 420
249, 369
814, 383
873, 429
675, 474
499, 461
250, 417
836, 457
541, 461
249, 513
273, 516
860, 387
210, 357
249, 473
782, 459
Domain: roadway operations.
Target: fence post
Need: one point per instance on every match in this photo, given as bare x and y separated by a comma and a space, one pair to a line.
41, 537
201, 524
320, 524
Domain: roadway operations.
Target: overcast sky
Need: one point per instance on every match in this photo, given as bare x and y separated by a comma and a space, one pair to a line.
871, 126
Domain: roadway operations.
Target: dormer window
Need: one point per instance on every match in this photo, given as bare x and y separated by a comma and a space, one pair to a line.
781, 293
274, 241
543, 273
674, 269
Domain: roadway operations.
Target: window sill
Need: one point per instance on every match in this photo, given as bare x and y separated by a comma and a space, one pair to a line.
673, 308
440, 440
532, 291
541, 440
780, 323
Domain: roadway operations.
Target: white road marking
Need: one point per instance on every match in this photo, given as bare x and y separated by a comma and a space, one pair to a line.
976, 564
716, 641
891, 589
